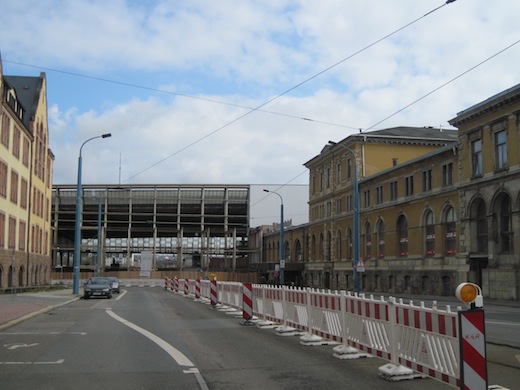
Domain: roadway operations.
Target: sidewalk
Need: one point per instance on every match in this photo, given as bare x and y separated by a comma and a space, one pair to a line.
15, 308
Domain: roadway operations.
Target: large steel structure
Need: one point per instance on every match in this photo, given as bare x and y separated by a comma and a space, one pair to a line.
180, 225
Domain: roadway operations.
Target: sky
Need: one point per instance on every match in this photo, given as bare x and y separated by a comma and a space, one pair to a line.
244, 91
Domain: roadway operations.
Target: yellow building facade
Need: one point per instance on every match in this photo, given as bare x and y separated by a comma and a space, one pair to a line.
26, 164
436, 207
489, 193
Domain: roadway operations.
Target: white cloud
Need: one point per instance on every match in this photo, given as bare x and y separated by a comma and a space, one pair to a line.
245, 53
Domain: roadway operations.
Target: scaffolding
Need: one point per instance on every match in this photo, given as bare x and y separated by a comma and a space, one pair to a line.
183, 226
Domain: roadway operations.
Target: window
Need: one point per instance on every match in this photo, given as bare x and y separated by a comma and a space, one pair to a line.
427, 180
21, 236
328, 177
381, 238
476, 158
338, 172
393, 190
500, 150
368, 241
366, 195
16, 142
349, 168
503, 223
447, 174
450, 232
402, 232
25, 152
338, 206
408, 183
379, 194
3, 179
350, 204
313, 184
2, 230
6, 125
429, 228
14, 187
12, 233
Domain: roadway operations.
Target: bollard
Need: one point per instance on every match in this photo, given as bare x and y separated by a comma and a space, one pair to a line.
247, 302
213, 294
197, 289
472, 336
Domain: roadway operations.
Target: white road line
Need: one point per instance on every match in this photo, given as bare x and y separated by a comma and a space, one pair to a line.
176, 355
59, 361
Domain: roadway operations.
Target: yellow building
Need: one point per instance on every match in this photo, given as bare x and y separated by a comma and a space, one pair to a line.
26, 164
436, 207
406, 178
489, 193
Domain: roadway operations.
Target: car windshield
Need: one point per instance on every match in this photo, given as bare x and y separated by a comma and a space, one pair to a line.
98, 281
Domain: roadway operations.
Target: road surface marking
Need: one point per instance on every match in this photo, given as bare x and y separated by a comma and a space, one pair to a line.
20, 345
177, 355
59, 361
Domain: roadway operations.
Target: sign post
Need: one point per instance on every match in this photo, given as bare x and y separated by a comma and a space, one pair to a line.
472, 336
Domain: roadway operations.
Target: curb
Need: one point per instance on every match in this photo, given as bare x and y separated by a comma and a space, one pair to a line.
35, 313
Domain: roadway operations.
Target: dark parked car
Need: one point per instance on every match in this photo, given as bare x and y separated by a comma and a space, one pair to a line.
97, 287
114, 282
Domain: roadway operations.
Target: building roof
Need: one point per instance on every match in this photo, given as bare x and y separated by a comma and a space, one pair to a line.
490, 104
423, 133
27, 92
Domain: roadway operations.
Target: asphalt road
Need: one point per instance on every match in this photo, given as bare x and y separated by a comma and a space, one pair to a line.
147, 338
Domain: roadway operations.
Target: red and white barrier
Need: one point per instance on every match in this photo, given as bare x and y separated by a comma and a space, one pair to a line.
197, 289
247, 301
214, 293
417, 341
473, 374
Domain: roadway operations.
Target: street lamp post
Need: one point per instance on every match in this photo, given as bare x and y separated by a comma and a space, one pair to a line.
356, 218
77, 231
282, 249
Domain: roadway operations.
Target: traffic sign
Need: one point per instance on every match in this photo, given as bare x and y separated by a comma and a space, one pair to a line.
360, 265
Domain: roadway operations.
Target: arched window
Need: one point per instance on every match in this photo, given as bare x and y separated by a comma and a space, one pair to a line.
478, 226
367, 236
313, 247
328, 256
298, 254
350, 245
322, 247
402, 233
429, 231
381, 238
450, 231
339, 246
503, 223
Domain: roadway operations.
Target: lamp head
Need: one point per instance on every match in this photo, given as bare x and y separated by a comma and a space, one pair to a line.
107, 135
266, 190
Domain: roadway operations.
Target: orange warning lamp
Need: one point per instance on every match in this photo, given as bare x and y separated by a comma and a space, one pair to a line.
469, 293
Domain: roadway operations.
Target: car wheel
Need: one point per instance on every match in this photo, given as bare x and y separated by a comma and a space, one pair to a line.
109, 296
86, 297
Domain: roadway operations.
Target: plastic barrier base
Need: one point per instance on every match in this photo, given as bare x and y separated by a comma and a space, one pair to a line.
311, 340
346, 352
392, 372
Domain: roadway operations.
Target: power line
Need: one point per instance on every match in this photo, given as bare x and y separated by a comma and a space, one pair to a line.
429, 93
250, 109
443, 85
257, 108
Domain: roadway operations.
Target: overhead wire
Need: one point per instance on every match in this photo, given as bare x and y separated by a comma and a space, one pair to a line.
257, 108
431, 92
250, 109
